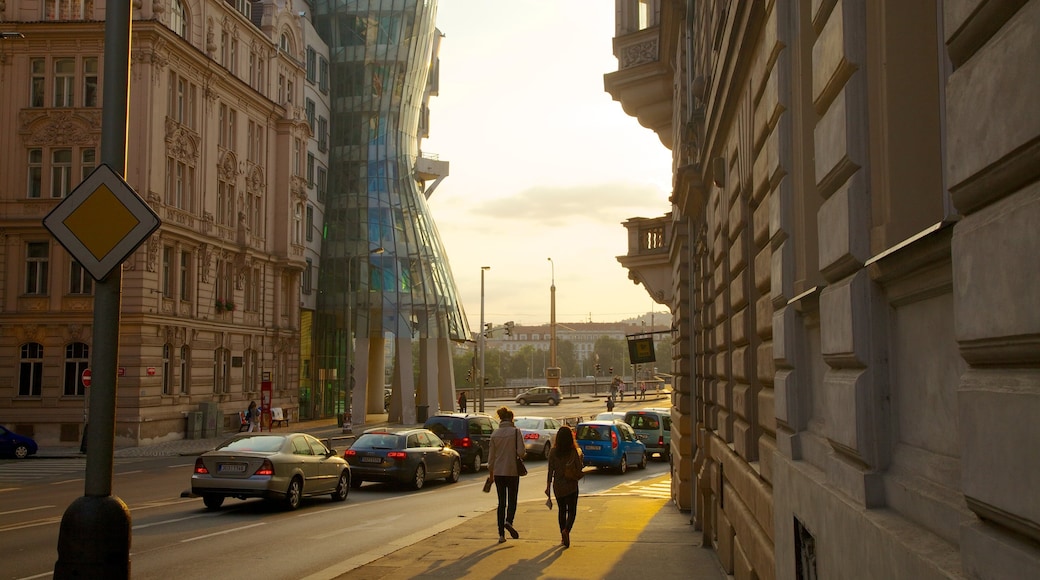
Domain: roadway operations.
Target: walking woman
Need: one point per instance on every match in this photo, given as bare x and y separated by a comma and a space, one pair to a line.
507, 443
565, 465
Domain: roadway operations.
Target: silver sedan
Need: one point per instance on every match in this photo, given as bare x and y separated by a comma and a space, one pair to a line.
539, 433
282, 466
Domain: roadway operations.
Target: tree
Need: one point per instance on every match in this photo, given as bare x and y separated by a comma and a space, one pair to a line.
612, 353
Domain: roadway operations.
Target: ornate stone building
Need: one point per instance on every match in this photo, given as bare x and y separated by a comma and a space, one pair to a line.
216, 146
850, 261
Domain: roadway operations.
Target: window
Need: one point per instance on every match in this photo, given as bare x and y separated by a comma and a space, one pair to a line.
37, 257
312, 67
80, 281
290, 93
323, 74
221, 370
88, 161
67, 9
77, 359
309, 108
225, 281
227, 122
297, 237
184, 286
254, 286
322, 183
179, 187
35, 187
64, 76
37, 81
90, 82
306, 278
310, 223
255, 145
281, 88
178, 19
225, 203
254, 215
250, 371
61, 172
310, 170
167, 378
167, 266
181, 100
185, 369
30, 370
283, 42
323, 134
297, 156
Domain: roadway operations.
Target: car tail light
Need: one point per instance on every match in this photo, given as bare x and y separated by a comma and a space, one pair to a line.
200, 468
349, 453
398, 455
660, 441
461, 443
530, 436
613, 440
266, 468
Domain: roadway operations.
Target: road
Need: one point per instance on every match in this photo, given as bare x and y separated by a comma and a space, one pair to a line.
177, 537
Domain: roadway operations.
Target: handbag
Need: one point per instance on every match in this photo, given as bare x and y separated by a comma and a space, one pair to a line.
487, 485
521, 469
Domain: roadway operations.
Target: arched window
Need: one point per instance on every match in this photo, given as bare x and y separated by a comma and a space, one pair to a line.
178, 19
283, 43
77, 359
30, 370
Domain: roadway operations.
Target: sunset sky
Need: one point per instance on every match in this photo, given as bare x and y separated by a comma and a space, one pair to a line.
543, 163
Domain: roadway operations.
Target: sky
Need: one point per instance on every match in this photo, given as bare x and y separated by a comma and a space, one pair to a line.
543, 163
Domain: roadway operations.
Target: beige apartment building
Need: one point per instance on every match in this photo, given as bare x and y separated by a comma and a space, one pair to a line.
850, 260
216, 146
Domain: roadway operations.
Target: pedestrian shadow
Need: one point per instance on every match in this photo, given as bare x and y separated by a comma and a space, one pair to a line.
523, 569
532, 567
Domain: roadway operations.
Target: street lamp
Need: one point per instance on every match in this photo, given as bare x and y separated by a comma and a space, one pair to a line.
480, 342
552, 374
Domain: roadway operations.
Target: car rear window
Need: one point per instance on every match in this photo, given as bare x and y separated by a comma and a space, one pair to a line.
527, 423
446, 427
643, 421
254, 443
594, 432
377, 441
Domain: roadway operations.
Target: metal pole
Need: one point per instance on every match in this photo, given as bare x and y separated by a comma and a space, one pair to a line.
94, 538
480, 342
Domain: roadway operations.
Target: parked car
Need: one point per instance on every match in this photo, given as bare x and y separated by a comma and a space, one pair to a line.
549, 395
610, 444
654, 428
539, 433
401, 455
467, 433
14, 445
275, 466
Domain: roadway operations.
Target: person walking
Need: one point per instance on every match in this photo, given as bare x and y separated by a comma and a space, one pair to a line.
565, 469
462, 402
253, 417
610, 404
507, 444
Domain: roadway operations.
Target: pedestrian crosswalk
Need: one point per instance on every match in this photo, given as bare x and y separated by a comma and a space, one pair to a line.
28, 471
657, 488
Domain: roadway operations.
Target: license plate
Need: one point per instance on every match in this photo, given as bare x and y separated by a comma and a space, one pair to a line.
371, 460
593, 447
231, 468
640, 436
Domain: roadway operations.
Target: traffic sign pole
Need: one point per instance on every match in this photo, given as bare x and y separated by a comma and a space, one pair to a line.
94, 538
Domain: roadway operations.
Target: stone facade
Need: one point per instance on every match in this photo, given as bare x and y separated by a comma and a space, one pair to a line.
853, 275
210, 303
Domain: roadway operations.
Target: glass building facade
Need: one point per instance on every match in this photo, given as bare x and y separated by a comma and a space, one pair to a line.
385, 285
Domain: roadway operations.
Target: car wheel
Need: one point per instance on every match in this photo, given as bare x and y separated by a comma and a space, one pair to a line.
420, 477
294, 493
213, 502
342, 488
475, 466
553, 402
546, 450
642, 462
623, 467
356, 482
21, 452
456, 469
522, 401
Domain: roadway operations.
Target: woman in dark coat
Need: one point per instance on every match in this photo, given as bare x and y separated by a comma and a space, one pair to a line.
565, 453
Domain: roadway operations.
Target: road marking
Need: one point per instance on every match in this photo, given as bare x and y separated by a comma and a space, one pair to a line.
164, 522
41, 507
231, 531
66, 481
45, 522
127, 472
367, 525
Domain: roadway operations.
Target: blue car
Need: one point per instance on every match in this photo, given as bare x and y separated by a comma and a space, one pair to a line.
17, 445
610, 444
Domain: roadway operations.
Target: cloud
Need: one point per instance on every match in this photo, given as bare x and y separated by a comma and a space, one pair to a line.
558, 205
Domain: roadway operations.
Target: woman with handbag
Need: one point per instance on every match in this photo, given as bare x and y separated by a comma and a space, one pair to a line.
565, 469
505, 466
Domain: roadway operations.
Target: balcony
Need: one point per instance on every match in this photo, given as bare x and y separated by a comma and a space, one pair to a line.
648, 261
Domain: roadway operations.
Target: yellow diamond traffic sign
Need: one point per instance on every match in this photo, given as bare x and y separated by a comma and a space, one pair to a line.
101, 222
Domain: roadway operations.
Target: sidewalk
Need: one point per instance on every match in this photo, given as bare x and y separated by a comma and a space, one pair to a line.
615, 537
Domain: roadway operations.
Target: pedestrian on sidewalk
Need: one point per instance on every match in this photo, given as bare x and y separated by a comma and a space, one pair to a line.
507, 444
610, 404
462, 402
253, 417
565, 470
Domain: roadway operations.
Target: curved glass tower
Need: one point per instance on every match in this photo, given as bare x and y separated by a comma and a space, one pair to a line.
384, 274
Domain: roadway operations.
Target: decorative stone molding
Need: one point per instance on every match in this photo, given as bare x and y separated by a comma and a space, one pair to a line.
154, 243
640, 53
256, 181
60, 127
227, 166
30, 333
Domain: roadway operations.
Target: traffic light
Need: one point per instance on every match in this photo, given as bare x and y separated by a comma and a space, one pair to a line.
597, 368
486, 381
610, 371
509, 328
469, 375
487, 330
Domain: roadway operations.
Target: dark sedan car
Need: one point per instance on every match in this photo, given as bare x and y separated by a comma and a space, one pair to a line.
402, 455
13, 444
549, 395
282, 466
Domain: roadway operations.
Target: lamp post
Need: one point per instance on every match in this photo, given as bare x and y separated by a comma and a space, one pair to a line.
552, 373
480, 341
